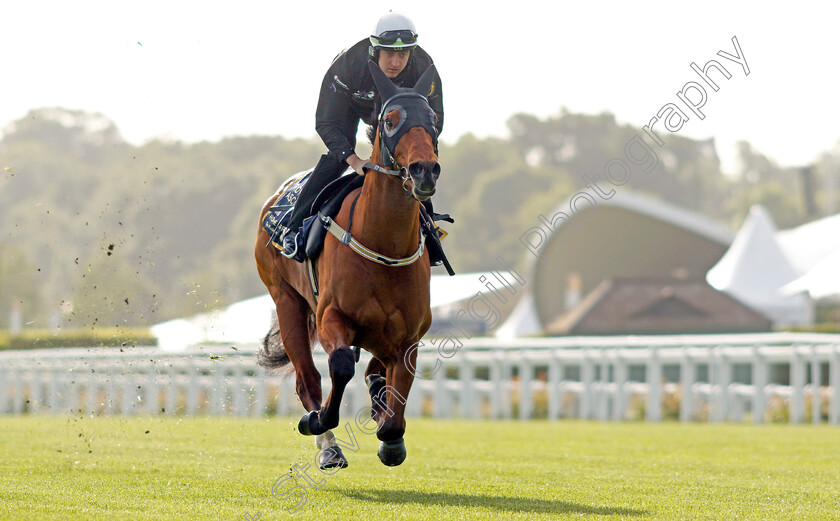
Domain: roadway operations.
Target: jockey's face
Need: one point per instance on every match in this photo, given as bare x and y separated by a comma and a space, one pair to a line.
392, 63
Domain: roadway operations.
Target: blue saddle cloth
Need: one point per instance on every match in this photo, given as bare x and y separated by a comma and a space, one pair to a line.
310, 239
276, 218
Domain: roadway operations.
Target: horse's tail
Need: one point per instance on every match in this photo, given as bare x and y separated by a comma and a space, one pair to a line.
272, 353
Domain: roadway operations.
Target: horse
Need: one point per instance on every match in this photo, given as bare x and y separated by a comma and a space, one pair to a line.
373, 280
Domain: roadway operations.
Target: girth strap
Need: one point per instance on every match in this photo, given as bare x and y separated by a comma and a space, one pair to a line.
312, 275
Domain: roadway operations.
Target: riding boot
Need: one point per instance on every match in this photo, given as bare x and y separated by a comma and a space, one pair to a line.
327, 169
427, 204
433, 245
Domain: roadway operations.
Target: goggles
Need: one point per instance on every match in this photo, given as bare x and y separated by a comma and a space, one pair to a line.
404, 37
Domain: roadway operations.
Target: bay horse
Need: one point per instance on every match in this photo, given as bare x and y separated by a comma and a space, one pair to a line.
373, 284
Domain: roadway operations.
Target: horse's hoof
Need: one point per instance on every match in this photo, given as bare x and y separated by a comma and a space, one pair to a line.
392, 453
332, 457
310, 424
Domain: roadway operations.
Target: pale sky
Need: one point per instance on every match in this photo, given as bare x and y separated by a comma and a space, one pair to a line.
204, 70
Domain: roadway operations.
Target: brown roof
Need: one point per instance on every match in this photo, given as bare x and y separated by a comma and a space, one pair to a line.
657, 306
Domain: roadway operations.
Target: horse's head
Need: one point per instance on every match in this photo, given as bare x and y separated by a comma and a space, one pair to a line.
406, 136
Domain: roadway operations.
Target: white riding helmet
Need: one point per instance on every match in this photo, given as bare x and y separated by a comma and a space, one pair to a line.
394, 31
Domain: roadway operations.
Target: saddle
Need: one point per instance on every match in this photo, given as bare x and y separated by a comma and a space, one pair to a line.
329, 200
310, 241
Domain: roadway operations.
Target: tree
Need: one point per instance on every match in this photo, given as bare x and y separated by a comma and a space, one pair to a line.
687, 172
88, 136
19, 287
760, 180
142, 234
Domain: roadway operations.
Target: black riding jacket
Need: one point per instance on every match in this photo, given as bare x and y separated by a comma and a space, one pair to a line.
348, 95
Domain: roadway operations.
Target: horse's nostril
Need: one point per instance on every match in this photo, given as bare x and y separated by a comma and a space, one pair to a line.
422, 169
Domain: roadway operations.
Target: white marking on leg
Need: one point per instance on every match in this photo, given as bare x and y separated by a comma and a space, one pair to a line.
322, 441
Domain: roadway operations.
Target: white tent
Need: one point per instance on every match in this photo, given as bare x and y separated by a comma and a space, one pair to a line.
449, 290
755, 267
245, 322
522, 321
809, 244
823, 280
814, 248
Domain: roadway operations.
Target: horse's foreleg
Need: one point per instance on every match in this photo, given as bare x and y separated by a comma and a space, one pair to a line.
394, 394
336, 333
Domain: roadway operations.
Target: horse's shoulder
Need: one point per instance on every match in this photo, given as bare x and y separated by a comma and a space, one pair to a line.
344, 213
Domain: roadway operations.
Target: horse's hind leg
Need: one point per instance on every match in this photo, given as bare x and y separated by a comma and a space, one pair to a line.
336, 333
293, 322
375, 380
292, 319
330, 454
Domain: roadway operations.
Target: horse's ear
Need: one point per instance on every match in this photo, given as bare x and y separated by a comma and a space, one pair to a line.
383, 83
424, 84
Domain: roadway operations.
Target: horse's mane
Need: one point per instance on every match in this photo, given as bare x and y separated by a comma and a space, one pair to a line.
371, 130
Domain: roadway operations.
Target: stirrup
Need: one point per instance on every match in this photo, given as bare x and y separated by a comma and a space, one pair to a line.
288, 234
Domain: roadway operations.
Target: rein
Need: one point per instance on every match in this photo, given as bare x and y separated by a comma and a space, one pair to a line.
402, 173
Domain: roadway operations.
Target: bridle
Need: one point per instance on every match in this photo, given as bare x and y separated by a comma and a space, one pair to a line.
411, 115
402, 173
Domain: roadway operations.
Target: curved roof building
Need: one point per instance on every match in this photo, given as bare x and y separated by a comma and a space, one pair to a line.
626, 236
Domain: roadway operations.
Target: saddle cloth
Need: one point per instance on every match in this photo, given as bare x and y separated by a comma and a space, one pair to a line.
276, 218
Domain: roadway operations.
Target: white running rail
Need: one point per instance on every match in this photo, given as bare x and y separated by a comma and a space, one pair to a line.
747, 377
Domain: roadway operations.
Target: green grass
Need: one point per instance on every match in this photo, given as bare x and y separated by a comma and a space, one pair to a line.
222, 468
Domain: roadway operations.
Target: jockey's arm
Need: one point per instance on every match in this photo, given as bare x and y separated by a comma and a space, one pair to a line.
335, 121
436, 103
356, 163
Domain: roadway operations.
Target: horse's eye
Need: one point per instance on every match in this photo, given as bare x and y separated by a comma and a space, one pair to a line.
393, 120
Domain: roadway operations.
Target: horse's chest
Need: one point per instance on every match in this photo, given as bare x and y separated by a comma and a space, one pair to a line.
394, 322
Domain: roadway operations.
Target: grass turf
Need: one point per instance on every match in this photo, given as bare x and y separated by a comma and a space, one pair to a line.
224, 468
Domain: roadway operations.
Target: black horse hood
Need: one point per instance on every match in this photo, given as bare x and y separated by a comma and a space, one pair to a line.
412, 104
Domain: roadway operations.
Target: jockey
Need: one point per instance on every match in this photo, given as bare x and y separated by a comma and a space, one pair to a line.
348, 95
